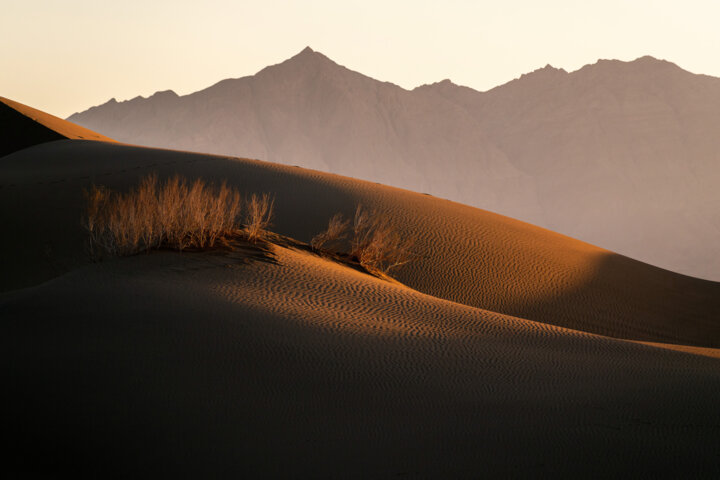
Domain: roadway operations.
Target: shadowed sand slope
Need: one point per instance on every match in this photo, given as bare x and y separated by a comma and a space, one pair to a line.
23, 126
214, 365
466, 255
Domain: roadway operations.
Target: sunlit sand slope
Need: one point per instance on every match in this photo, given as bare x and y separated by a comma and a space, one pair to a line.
465, 255
23, 126
217, 365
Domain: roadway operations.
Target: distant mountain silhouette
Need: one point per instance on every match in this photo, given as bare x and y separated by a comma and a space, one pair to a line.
625, 155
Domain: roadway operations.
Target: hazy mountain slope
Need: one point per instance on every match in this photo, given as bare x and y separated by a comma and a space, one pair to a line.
620, 154
22, 126
624, 154
309, 111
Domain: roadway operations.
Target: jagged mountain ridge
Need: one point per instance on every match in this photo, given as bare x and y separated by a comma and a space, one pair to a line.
619, 154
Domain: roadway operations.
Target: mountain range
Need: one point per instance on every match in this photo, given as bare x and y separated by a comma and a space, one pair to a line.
624, 155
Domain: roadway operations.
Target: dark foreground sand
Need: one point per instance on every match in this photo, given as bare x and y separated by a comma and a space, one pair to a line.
224, 365
22, 126
207, 365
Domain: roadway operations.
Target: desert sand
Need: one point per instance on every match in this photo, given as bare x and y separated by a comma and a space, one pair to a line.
24, 126
504, 350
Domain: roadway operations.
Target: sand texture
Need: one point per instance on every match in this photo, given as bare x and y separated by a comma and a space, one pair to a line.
507, 350
466, 255
213, 366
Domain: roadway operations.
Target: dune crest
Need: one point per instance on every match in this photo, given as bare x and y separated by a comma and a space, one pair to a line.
24, 126
465, 255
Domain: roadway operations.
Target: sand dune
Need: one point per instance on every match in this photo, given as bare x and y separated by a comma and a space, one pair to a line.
206, 365
505, 351
25, 126
467, 255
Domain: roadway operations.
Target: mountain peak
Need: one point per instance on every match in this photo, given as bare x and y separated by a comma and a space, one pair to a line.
305, 61
544, 74
306, 53
645, 62
446, 83
546, 70
164, 95
649, 61
649, 58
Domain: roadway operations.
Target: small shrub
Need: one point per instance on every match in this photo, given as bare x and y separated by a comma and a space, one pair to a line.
335, 232
154, 215
259, 216
178, 215
376, 244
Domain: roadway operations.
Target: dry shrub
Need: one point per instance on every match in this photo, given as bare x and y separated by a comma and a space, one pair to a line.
154, 215
376, 244
258, 216
335, 232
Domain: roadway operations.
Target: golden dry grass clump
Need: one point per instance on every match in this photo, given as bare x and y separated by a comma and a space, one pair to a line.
259, 216
171, 214
375, 243
331, 237
178, 215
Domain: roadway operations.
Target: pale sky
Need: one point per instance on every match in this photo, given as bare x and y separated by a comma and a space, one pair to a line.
65, 56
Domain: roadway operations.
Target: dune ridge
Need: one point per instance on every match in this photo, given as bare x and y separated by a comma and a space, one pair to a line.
25, 126
466, 255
